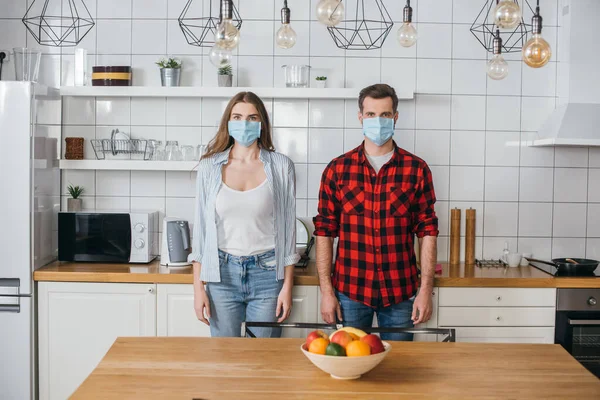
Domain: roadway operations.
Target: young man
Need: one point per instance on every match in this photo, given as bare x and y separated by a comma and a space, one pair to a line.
376, 198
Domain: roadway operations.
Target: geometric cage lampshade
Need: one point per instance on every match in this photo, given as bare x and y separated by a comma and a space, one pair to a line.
484, 29
198, 23
51, 27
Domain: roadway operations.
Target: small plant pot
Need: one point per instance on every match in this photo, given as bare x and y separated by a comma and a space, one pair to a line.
321, 84
74, 205
225, 80
170, 76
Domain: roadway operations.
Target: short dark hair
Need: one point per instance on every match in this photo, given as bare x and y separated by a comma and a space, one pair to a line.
378, 91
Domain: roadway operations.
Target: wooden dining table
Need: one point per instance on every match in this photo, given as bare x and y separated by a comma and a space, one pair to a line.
239, 368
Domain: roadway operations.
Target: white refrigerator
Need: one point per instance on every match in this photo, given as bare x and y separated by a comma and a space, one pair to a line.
30, 199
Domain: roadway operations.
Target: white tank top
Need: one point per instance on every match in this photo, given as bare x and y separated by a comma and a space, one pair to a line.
245, 221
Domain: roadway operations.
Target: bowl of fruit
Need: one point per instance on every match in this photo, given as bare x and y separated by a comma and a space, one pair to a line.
347, 353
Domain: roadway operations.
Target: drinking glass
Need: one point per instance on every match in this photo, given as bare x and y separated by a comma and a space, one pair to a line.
173, 153
27, 64
188, 153
200, 149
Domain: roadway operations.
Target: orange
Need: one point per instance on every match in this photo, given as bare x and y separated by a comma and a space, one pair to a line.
319, 346
358, 349
354, 336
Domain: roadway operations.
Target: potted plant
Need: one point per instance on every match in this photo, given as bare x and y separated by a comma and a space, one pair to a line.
74, 203
321, 81
170, 71
225, 76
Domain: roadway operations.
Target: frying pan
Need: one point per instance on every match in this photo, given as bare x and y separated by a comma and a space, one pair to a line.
581, 266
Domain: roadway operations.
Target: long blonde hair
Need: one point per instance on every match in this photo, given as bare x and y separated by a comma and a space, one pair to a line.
222, 141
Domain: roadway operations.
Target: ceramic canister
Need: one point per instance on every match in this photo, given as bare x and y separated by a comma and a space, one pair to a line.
111, 76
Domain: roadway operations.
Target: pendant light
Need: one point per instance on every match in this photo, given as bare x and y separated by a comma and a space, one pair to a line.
537, 51
199, 21
227, 36
407, 34
330, 12
286, 36
507, 14
497, 67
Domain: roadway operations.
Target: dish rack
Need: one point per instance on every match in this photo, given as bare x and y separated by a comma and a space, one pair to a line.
120, 143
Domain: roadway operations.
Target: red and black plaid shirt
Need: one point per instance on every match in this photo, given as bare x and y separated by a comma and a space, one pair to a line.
376, 217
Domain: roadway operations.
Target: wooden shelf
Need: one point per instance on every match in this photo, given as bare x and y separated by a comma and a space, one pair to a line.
215, 92
128, 165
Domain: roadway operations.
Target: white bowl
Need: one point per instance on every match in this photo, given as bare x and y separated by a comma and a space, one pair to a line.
346, 367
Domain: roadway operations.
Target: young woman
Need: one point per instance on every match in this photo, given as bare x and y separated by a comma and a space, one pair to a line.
244, 243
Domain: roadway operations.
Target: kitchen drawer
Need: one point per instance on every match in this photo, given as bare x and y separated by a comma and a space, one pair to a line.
495, 316
496, 297
505, 335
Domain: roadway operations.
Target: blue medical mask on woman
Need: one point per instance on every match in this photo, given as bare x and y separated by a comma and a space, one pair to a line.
244, 132
378, 129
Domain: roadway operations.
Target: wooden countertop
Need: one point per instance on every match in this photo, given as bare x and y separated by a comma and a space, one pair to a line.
204, 368
451, 276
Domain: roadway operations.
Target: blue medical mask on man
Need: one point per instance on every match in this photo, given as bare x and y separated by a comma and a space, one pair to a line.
378, 129
244, 132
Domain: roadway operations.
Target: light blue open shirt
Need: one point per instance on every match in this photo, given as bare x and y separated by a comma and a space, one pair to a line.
281, 177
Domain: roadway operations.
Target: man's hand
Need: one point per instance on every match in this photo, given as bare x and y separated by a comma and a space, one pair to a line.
330, 308
422, 307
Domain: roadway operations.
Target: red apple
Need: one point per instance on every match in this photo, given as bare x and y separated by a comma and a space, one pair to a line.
374, 342
342, 338
315, 335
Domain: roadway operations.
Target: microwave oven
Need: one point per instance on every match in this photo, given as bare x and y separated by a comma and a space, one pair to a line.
110, 237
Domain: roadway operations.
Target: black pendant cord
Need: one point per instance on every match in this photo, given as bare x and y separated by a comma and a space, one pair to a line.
2, 57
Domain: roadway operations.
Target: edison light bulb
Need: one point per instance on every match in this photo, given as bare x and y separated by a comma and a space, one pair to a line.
286, 37
507, 14
227, 35
220, 57
330, 12
536, 52
497, 68
407, 34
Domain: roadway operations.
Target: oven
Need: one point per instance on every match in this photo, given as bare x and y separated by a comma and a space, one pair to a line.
578, 325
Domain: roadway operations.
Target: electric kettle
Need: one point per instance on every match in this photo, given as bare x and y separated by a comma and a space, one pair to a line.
176, 244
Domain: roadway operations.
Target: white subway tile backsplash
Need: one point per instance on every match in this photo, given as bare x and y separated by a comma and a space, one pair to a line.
184, 112
465, 45
150, 204
145, 71
151, 8
435, 41
113, 111
503, 113
331, 67
569, 220
114, 9
177, 42
293, 142
148, 184
181, 184
433, 147
362, 72
78, 111
13, 9
539, 81
467, 147
593, 220
568, 247
149, 37
538, 247
493, 246
443, 214
399, 73
536, 184
301, 208
570, 185
212, 111
290, 113
535, 156
500, 219
301, 181
149, 132
593, 249
254, 71
112, 203
85, 179
509, 86
434, 76
405, 138
468, 77
594, 185
148, 111
180, 208
262, 11
185, 135
502, 149
465, 11
571, 157
354, 137
326, 113
468, 112
325, 144
321, 44
535, 111
435, 11
501, 183
433, 112
315, 171
441, 181
113, 183
535, 219
114, 36
594, 157
466, 183
406, 115
351, 111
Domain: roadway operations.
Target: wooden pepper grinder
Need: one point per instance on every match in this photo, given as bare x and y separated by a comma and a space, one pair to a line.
455, 236
470, 236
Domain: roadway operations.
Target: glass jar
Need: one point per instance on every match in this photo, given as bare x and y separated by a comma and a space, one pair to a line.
172, 151
296, 76
188, 153
200, 149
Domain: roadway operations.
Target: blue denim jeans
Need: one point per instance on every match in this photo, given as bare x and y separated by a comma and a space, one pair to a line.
359, 315
248, 291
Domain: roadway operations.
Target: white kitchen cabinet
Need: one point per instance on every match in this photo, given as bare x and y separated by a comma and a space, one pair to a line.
175, 313
77, 324
497, 297
505, 335
305, 308
496, 316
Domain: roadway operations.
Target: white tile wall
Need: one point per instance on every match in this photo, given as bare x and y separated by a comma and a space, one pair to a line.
466, 126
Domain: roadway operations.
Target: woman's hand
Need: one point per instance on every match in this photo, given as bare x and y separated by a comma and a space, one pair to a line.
201, 304
284, 303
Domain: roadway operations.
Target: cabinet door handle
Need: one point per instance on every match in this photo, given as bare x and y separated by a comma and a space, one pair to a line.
498, 298
150, 290
498, 318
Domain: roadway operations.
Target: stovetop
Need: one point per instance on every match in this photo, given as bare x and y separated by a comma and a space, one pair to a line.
554, 271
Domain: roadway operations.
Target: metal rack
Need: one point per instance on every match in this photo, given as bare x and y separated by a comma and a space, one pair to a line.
491, 263
116, 146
